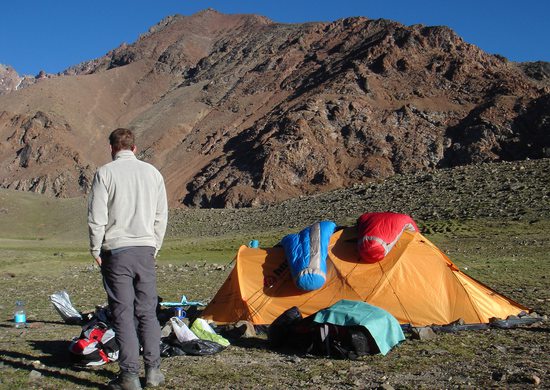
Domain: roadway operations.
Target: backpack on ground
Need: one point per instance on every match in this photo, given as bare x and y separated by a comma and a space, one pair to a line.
342, 342
95, 346
304, 335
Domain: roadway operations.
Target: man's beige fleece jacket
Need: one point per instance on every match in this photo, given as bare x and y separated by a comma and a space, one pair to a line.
127, 205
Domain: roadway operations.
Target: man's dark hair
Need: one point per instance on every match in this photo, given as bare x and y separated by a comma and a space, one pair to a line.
122, 139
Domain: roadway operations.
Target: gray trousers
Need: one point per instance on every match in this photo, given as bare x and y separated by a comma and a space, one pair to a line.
129, 278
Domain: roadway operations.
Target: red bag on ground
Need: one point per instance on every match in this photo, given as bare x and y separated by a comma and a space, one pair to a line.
95, 346
378, 233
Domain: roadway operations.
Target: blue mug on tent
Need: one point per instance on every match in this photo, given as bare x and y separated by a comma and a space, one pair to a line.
254, 244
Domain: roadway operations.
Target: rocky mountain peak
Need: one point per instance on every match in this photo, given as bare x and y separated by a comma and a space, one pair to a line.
237, 110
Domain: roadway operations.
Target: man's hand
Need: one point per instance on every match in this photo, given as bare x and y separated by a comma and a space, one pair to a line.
98, 261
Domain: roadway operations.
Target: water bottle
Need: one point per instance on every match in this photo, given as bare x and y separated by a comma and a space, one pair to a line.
20, 315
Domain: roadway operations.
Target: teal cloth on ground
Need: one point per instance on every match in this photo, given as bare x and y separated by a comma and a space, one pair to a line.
382, 326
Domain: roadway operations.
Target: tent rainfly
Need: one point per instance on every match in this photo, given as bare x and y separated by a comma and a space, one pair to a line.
415, 282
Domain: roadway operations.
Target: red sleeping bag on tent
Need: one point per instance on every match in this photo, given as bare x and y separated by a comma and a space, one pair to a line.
378, 233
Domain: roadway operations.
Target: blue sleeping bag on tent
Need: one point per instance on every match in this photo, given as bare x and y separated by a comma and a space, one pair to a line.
307, 252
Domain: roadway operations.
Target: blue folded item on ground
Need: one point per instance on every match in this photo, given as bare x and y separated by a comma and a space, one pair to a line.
306, 253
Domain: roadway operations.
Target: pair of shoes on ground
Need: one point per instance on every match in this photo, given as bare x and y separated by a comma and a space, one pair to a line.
130, 381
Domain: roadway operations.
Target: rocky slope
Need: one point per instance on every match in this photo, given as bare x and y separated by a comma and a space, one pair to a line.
505, 191
237, 110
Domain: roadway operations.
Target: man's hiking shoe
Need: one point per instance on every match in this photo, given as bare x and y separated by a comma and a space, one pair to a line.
153, 377
125, 381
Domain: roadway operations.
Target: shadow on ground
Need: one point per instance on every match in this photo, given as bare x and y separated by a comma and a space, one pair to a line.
52, 366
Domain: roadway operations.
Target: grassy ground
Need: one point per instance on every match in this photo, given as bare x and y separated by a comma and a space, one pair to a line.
43, 249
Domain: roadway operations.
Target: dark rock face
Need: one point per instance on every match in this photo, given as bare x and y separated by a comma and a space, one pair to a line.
538, 70
239, 111
38, 143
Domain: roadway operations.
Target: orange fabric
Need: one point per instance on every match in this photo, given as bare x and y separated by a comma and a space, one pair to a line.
415, 282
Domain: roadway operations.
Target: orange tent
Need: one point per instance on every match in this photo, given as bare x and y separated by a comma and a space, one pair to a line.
415, 282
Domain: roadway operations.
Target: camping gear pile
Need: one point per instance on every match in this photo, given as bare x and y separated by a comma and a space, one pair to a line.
384, 261
96, 343
334, 292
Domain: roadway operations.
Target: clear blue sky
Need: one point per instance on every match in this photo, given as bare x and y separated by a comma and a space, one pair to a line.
55, 34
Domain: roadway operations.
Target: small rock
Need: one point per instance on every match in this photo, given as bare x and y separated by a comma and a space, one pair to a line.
294, 359
460, 321
246, 329
316, 378
35, 325
523, 377
461, 379
423, 334
500, 348
386, 386
36, 364
34, 375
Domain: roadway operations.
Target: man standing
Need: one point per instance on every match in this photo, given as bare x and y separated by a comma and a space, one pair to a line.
127, 216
